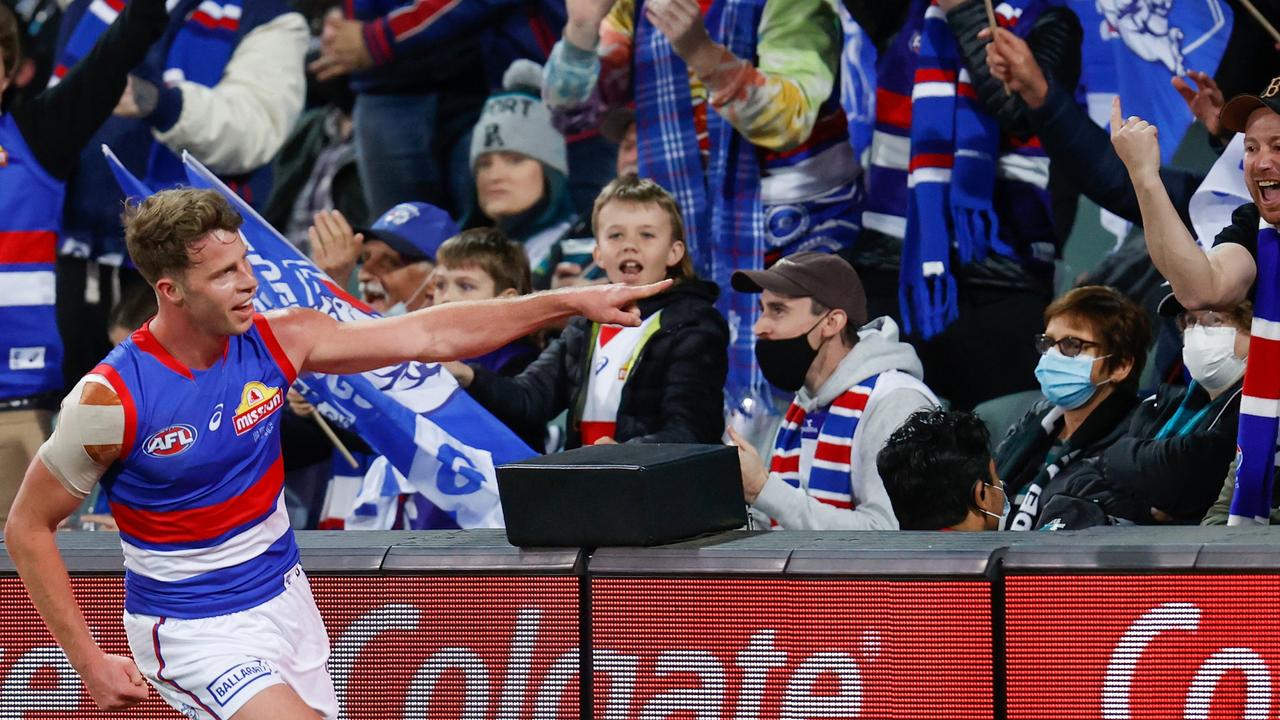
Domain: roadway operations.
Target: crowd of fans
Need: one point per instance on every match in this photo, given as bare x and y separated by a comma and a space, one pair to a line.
881, 331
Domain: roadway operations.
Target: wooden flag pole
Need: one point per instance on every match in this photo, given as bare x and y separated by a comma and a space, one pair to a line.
333, 438
991, 23
1257, 15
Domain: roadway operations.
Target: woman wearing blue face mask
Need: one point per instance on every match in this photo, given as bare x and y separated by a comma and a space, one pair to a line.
1091, 354
1170, 464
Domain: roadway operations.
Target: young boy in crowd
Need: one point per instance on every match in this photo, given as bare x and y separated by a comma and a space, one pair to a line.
738, 113
481, 264
660, 382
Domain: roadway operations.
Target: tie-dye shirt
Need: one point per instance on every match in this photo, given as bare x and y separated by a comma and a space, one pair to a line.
773, 103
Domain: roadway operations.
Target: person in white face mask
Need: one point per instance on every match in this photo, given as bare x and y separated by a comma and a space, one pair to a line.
1169, 465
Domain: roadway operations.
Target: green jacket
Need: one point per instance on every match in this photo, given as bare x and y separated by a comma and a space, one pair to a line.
1217, 514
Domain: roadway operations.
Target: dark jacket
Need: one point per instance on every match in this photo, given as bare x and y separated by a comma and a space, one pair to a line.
1028, 452
674, 393
1180, 474
1082, 152
293, 167
509, 361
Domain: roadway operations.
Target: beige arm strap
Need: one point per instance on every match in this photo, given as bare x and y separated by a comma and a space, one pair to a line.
88, 436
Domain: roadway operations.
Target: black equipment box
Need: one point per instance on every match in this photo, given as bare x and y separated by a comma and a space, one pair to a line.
622, 495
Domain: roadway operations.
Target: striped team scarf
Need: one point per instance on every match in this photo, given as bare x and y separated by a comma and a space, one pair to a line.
95, 21
724, 220
199, 50
1260, 404
199, 54
829, 475
934, 162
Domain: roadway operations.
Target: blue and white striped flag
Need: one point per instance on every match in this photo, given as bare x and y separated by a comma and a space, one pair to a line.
413, 413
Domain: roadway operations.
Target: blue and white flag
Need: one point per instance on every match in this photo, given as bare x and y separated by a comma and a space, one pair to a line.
1134, 48
857, 82
1222, 191
133, 188
414, 414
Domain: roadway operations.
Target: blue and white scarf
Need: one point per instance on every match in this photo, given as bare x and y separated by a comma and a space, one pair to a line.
724, 220
1260, 404
949, 171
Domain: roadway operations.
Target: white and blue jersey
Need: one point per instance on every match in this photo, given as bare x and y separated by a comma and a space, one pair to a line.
197, 491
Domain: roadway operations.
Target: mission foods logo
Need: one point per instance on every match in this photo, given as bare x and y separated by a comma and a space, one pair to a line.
257, 403
170, 441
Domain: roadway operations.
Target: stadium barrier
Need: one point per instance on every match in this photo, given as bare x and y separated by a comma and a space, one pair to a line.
1114, 623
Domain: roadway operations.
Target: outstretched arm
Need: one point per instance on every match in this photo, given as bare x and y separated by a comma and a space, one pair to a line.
1219, 278
318, 343
1077, 147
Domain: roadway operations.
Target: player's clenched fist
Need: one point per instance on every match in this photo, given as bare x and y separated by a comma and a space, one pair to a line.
114, 682
1137, 142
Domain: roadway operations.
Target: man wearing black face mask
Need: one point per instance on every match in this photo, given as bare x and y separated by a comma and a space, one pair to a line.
855, 383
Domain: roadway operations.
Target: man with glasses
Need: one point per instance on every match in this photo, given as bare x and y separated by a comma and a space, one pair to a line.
1092, 351
938, 471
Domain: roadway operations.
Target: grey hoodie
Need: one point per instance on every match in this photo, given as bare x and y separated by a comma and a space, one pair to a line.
899, 392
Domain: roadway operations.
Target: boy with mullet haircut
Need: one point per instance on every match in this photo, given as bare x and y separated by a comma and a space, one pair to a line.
180, 425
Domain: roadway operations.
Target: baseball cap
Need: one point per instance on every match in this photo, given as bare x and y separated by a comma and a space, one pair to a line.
1238, 109
821, 276
416, 230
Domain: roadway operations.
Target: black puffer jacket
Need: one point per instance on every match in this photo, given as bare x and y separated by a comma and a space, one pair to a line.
674, 393
1179, 475
1035, 466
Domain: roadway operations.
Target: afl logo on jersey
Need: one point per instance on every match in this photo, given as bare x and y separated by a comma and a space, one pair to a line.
257, 403
173, 440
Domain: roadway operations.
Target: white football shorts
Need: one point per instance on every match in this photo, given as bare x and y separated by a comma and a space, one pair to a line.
208, 668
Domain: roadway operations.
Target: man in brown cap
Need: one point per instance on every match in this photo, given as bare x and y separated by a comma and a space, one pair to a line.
1224, 276
1244, 263
855, 383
